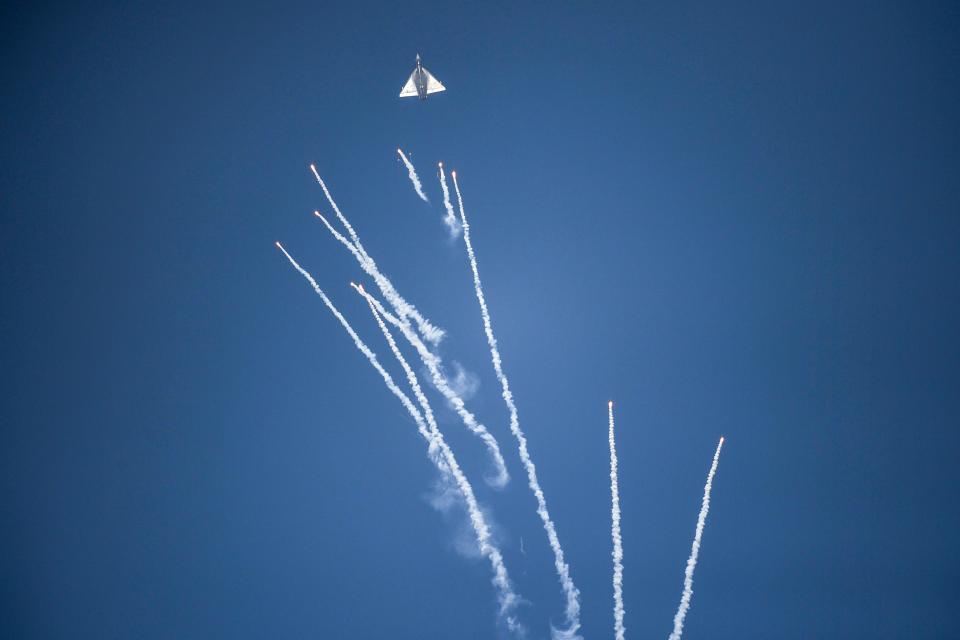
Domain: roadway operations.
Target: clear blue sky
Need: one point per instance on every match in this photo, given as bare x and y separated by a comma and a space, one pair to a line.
737, 219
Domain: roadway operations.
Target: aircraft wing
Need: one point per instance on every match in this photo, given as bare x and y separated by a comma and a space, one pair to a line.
433, 85
409, 89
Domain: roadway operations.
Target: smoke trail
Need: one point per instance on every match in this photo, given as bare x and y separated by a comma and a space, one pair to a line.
451, 219
572, 610
404, 309
507, 597
432, 362
440, 454
695, 550
343, 219
371, 356
414, 178
618, 611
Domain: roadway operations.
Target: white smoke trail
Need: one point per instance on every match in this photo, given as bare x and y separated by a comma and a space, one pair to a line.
572, 610
371, 356
404, 309
451, 219
414, 178
695, 550
618, 611
432, 362
507, 597
429, 331
343, 219
440, 454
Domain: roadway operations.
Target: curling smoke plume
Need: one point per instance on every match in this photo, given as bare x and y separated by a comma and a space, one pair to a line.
572, 609
507, 597
439, 453
414, 178
432, 362
695, 550
451, 219
618, 611
403, 308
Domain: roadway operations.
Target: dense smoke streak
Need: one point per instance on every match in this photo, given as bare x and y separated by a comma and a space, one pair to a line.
439, 453
695, 550
572, 610
343, 219
365, 350
432, 362
618, 610
451, 219
403, 308
507, 597
414, 178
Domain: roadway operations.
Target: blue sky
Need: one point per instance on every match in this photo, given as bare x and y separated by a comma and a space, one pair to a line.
735, 220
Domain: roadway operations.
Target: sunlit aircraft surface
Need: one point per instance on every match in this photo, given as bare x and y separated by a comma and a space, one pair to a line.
421, 83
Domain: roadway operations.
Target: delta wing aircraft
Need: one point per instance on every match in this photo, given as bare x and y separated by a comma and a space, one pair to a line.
421, 83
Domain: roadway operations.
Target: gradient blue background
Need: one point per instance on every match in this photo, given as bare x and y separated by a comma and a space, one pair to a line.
738, 219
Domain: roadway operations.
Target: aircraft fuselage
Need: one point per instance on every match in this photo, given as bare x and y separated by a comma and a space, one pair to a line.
420, 79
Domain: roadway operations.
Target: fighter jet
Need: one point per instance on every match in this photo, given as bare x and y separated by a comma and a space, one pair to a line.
421, 83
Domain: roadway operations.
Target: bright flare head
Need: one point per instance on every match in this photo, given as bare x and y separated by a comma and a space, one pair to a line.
610, 404
454, 174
